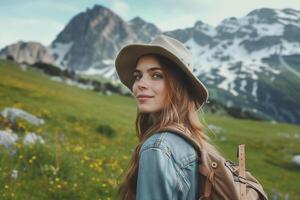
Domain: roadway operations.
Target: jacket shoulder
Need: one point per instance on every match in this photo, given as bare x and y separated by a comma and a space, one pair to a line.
174, 146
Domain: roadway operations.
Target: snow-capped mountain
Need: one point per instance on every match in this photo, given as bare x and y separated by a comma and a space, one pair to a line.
90, 40
250, 62
143, 30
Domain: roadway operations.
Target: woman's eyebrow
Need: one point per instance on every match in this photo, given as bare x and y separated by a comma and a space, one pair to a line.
151, 69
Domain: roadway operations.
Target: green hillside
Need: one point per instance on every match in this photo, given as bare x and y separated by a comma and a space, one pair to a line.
89, 138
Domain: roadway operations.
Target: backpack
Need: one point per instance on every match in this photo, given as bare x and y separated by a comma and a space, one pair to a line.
221, 179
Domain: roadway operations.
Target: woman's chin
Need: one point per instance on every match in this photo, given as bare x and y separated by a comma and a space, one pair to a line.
144, 109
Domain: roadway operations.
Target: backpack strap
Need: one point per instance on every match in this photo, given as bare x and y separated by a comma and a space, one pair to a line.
203, 169
187, 138
208, 182
242, 173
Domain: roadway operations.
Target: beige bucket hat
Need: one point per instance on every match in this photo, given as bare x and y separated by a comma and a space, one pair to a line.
166, 46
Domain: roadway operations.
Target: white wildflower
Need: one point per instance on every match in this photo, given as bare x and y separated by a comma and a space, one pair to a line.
7, 138
296, 159
14, 174
32, 138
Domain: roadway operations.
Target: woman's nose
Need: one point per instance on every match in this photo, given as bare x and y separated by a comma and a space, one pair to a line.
142, 83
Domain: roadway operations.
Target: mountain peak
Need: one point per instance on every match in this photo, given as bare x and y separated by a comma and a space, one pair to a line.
145, 31
137, 20
264, 15
204, 28
262, 12
271, 16
96, 33
98, 8
199, 23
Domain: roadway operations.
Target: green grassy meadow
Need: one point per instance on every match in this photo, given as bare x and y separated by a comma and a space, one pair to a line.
89, 138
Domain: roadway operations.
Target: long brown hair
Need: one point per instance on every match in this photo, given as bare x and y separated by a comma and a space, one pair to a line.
179, 112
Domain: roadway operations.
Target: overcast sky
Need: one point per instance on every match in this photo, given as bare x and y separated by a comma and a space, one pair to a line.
42, 20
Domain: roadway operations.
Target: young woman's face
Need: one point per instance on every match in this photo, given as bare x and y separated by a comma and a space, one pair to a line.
149, 87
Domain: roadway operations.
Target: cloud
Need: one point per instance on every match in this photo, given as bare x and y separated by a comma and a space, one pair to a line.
171, 23
183, 6
52, 5
184, 13
29, 29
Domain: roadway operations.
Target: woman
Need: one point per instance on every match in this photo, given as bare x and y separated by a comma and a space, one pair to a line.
163, 165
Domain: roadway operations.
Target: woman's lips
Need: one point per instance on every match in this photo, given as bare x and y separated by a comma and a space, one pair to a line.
143, 97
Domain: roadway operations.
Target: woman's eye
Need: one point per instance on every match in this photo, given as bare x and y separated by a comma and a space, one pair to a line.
136, 76
157, 76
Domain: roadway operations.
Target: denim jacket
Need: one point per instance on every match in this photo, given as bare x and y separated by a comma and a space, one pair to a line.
167, 169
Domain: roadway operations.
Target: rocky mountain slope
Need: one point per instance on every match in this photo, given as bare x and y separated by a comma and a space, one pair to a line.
27, 52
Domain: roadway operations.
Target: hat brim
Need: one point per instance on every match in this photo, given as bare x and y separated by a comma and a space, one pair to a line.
128, 56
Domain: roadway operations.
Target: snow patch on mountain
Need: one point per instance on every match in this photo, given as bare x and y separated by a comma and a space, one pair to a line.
254, 90
269, 30
243, 85
228, 83
194, 48
108, 61
60, 52
95, 71
206, 29
288, 14
107, 72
